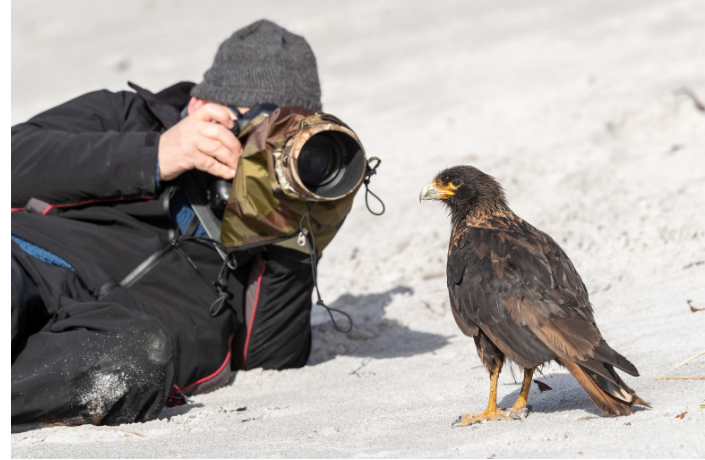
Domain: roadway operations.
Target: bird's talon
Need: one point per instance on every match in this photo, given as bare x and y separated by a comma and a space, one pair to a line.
469, 419
498, 414
521, 412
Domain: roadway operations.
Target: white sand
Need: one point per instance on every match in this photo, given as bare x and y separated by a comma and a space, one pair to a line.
571, 105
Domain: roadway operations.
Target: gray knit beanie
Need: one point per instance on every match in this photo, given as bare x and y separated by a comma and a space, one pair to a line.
262, 63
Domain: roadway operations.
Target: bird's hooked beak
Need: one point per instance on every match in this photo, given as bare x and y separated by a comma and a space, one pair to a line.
430, 192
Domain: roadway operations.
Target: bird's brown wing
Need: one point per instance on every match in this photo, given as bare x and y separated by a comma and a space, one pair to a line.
516, 284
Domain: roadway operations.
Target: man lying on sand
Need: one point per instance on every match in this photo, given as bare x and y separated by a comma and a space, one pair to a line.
121, 304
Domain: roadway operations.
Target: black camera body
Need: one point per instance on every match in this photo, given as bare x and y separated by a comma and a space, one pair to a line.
218, 190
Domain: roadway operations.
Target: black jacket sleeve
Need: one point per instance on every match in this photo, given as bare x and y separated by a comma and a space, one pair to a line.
101, 145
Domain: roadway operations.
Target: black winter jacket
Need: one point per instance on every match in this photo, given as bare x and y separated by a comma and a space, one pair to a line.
92, 161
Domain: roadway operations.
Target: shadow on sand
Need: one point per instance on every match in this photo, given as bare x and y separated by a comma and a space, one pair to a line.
565, 395
169, 412
373, 335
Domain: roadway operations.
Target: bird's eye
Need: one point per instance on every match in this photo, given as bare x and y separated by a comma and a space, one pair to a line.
456, 183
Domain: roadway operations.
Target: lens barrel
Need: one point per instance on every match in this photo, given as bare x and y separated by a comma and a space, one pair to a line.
321, 162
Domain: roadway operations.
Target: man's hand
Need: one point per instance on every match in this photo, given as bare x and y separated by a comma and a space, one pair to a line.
197, 142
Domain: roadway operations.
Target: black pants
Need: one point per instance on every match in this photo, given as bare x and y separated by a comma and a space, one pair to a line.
77, 360
89, 362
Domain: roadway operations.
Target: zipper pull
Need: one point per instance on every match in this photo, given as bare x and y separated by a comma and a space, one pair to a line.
301, 241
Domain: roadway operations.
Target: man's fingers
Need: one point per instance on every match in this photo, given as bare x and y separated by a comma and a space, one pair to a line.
212, 166
221, 134
215, 149
214, 112
203, 141
225, 156
231, 113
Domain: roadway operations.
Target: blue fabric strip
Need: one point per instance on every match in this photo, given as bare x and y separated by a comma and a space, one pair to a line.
157, 183
41, 254
182, 212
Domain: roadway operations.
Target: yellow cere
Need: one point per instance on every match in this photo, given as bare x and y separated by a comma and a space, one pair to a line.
446, 190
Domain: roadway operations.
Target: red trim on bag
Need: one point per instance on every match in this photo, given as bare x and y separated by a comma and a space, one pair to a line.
254, 310
220, 369
82, 203
105, 200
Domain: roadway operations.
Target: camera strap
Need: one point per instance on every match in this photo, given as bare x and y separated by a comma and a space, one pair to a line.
205, 215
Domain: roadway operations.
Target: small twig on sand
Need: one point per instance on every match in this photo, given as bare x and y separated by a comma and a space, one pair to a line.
689, 92
110, 428
387, 412
364, 363
661, 377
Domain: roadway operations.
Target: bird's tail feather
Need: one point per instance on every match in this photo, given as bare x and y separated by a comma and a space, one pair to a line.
636, 399
612, 396
603, 352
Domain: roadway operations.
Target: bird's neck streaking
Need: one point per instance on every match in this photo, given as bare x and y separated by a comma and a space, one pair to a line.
482, 207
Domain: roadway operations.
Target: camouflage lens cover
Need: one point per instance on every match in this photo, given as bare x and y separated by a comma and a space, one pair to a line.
258, 211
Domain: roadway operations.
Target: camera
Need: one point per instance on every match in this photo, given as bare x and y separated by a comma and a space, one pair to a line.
315, 159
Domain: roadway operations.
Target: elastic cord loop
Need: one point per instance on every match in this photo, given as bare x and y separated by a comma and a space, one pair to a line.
218, 304
369, 172
335, 324
370, 192
221, 286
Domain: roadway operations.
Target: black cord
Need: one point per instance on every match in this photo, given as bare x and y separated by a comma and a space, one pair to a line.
371, 171
314, 270
203, 240
370, 192
221, 284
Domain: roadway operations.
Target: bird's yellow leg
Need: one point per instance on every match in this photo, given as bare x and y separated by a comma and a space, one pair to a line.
492, 412
520, 407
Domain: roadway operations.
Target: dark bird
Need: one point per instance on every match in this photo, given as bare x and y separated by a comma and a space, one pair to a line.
515, 291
